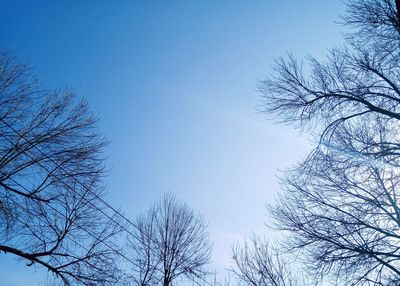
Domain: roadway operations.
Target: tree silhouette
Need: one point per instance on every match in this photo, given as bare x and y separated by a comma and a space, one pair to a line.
341, 204
170, 241
51, 169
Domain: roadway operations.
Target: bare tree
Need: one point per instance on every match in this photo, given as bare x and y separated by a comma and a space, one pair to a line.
341, 204
51, 169
358, 81
259, 264
343, 214
374, 22
170, 242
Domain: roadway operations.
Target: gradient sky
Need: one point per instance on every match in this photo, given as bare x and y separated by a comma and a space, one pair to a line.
174, 86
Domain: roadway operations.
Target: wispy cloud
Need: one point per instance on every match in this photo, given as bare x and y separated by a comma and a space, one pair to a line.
249, 120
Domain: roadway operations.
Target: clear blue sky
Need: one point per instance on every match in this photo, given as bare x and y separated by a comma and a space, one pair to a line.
173, 84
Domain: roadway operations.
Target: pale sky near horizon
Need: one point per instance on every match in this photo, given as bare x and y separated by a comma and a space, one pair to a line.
173, 84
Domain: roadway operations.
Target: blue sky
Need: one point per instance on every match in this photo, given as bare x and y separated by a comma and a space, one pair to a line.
173, 84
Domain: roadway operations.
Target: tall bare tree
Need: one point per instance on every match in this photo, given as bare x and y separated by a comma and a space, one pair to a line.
171, 241
51, 169
341, 204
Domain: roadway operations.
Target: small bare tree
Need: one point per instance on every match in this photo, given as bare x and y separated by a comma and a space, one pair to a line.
256, 263
170, 242
51, 169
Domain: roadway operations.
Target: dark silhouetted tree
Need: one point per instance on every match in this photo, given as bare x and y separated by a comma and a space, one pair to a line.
355, 83
171, 241
51, 169
341, 204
